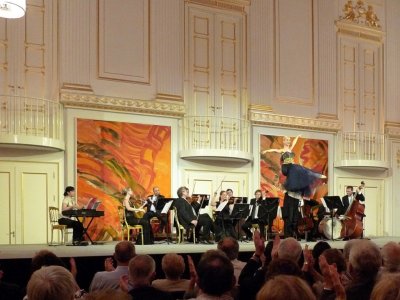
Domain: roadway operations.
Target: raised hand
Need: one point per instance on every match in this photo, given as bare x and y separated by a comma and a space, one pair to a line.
108, 264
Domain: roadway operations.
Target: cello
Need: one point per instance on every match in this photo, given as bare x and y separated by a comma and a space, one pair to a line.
352, 223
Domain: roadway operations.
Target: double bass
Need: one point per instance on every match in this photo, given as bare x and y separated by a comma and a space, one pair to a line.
353, 221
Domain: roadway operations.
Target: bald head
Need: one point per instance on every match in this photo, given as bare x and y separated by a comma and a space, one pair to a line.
290, 248
230, 247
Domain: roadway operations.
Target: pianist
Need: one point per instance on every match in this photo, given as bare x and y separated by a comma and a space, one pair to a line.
69, 203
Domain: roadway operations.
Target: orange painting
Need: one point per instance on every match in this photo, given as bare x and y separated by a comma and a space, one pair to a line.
310, 153
114, 155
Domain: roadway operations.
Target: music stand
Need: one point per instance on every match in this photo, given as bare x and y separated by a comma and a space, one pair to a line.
331, 202
161, 206
240, 211
270, 204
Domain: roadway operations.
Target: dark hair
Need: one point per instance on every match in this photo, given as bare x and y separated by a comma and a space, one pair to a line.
281, 266
349, 187
124, 251
45, 258
230, 247
335, 256
229, 190
215, 273
68, 189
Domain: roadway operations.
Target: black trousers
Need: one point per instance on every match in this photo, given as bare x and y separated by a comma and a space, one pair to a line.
207, 224
147, 232
76, 226
290, 215
224, 228
162, 217
246, 227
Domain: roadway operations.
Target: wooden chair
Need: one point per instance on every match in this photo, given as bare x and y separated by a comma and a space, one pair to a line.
180, 230
53, 215
137, 228
257, 227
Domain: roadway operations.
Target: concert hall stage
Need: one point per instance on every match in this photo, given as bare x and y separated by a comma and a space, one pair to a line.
15, 259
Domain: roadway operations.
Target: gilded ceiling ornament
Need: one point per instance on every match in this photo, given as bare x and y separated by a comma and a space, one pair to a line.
360, 13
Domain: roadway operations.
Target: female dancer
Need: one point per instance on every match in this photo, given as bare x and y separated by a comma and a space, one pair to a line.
132, 220
69, 202
298, 178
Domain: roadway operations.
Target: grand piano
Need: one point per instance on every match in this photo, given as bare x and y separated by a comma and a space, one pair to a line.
84, 213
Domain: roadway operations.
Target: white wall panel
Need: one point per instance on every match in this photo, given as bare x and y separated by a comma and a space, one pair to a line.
124, 36
294, 52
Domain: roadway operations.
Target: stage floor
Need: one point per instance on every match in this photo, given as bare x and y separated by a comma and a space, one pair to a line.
107, 248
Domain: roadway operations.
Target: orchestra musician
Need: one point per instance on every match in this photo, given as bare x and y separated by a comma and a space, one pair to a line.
152, 208
229, 193
224, 226
258, 216
69, 202
133, 220
188, 218
349, 197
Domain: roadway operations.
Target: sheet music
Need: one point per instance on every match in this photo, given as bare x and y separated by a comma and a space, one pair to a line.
221, 206
166, 207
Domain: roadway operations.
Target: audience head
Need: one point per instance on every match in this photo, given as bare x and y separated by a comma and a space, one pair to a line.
52, 282
215, 273
141, 269
106, 294
347, 248
45, 258
290, 248
230, 247
318, 248
173, 266
387, 288
69, 191
283, 287
365, 260
124, 252
280, 266
335, 256
391, 257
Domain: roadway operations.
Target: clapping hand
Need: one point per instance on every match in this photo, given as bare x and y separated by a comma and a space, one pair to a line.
108, 264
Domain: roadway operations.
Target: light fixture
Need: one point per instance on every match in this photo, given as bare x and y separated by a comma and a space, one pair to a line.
12, 9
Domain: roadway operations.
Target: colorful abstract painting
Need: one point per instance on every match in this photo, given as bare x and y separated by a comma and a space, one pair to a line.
114, 155
310, 153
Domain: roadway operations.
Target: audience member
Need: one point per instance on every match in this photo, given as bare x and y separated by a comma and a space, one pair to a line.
230, 247
107, 294
52, 283
215, 276
9, 291
335, 256
317, 250
123, 253
290, 248
391, 257
142, 270
173, 267
284, 287
282, 266
47, 258
387, 288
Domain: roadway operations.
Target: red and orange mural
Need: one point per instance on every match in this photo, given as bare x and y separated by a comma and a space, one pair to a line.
115, 155
310, 153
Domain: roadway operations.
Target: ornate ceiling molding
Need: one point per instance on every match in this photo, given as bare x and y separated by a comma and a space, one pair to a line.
275, 120
150, 107
237, 5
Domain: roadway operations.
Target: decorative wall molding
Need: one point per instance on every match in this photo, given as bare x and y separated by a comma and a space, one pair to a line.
275, 120
238, 5
392, 129
360, 13
151, 107
357, 31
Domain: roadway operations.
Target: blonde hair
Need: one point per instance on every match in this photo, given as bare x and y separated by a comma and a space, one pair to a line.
387, 288
52, 283
283, 287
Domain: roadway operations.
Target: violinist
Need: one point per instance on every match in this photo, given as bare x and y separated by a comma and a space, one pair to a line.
189, 219
258, 215
152, 211
224, 226
133, 220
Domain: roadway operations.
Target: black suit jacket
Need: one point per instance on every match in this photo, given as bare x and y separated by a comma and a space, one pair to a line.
148, 205
262, 211
342, 208
185, 212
